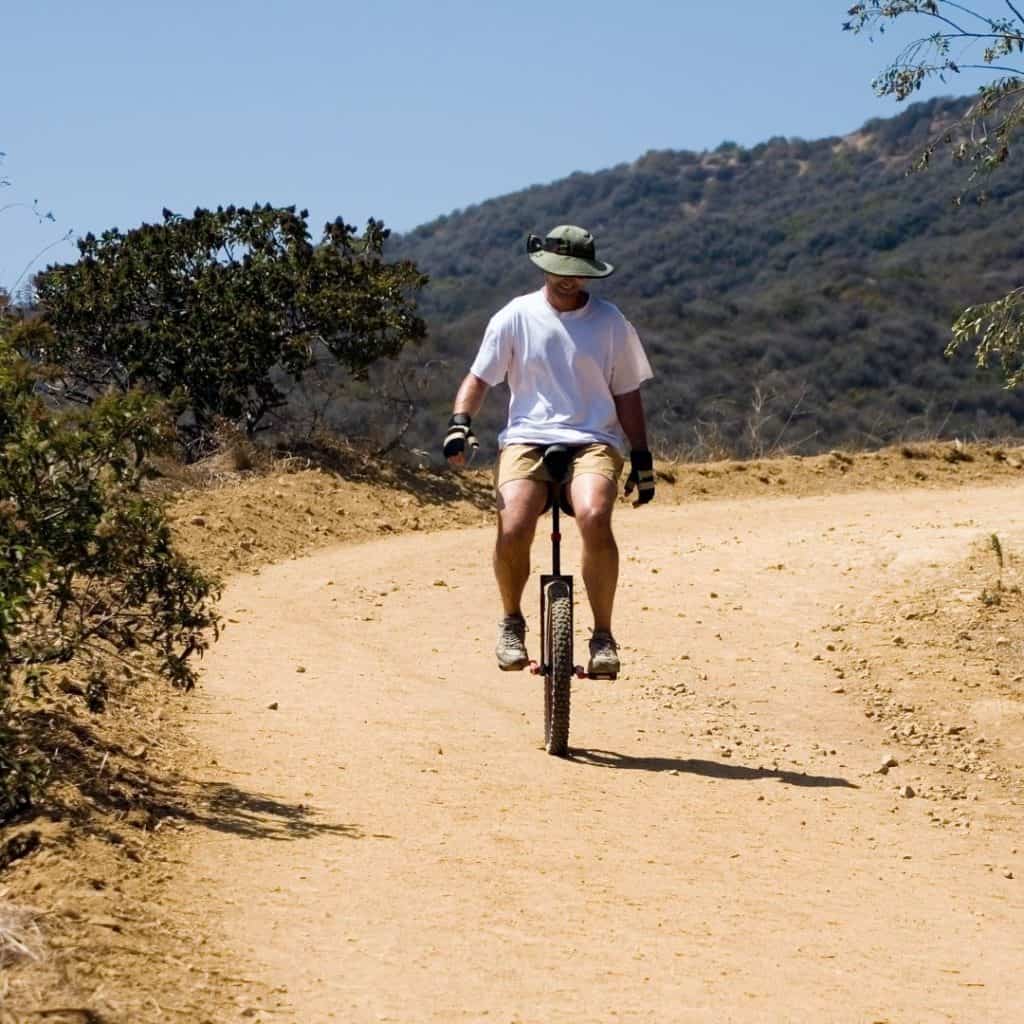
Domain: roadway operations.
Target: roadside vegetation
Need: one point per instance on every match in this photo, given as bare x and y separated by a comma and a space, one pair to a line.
219, 310
141, 353
88, 573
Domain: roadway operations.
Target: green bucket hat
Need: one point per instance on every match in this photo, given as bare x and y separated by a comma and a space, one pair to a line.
567, 251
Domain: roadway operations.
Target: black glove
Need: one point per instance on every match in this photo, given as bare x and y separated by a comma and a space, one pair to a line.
641, 476
460, 439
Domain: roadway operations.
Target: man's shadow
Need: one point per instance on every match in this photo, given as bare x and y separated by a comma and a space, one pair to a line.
709, 769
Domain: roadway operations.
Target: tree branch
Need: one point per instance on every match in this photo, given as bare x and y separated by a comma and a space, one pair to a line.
945, 20
968, 11
965, 35
1016, 72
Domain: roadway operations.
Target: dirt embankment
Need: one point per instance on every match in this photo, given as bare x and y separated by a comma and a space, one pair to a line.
241, 521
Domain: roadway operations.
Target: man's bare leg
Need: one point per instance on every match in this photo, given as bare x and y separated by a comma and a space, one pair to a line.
520, 502
593, 499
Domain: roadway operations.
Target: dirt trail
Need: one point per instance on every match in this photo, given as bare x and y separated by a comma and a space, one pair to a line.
719, 848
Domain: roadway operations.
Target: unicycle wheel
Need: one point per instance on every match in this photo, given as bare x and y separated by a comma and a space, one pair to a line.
559, 668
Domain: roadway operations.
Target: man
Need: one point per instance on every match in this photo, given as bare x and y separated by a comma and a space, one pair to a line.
574, 366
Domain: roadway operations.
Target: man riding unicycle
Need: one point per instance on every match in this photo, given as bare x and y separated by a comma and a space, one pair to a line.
574, 366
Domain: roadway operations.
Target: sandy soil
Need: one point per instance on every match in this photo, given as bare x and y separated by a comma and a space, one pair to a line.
800, 801
720, 846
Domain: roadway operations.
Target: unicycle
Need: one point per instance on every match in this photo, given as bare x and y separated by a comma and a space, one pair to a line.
556, 625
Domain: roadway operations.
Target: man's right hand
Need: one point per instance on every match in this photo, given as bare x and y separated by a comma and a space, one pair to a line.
641, 476
460, 443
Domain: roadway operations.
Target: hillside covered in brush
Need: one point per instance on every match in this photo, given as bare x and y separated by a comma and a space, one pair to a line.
795, 295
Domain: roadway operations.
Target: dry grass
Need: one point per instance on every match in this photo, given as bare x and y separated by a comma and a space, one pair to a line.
20, 938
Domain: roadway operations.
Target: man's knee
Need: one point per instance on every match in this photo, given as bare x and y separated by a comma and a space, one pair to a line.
516, 531
519, 506
594, 521
593, 500
597, 532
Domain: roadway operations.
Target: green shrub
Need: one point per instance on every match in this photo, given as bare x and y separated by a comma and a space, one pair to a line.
208, 307
86, 561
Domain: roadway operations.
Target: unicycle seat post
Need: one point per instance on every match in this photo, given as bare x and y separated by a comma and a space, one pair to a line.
556, 538
557, 458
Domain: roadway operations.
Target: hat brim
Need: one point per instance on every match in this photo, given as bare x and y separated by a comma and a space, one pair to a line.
570, 266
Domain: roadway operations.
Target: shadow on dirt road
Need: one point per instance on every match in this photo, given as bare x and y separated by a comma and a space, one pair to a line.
220, 807
709, 769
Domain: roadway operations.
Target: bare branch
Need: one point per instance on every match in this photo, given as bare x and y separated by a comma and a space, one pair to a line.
1016, 72
46, 248
969, 12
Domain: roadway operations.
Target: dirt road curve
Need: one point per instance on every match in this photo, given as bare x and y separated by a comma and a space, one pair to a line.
719, 848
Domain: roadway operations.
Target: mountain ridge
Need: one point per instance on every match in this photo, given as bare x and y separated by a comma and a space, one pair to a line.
793, 295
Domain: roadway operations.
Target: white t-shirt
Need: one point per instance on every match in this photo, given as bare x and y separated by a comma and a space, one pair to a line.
563, 370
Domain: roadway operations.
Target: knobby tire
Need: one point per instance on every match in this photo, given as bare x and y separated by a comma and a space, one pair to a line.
558, 677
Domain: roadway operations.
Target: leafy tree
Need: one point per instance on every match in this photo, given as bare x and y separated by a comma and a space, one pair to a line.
209, 306
965, 39
86, 560
998, 330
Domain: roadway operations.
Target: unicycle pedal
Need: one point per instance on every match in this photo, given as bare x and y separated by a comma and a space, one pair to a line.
581, 673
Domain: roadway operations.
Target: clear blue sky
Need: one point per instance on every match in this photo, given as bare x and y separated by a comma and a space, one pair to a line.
390, 108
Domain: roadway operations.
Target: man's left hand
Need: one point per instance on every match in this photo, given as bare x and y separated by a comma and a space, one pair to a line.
641, 476
460, 443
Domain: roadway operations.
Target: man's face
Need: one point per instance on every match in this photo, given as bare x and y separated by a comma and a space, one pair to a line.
565, 287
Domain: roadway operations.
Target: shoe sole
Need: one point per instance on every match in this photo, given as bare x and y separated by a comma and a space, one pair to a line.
516, 666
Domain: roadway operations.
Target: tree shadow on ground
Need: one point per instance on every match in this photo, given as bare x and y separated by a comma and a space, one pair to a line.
429, 483
709, 769
109, 791
221, 807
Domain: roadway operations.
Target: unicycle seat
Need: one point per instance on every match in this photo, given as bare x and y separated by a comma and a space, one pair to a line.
557, 459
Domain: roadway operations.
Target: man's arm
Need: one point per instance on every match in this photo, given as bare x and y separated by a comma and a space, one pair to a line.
630, 410
470, 395
468, 400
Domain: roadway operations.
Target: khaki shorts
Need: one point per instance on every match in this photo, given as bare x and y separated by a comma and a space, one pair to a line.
526, 462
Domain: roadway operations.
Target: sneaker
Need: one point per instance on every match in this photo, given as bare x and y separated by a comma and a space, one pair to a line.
511, 649
604, 654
